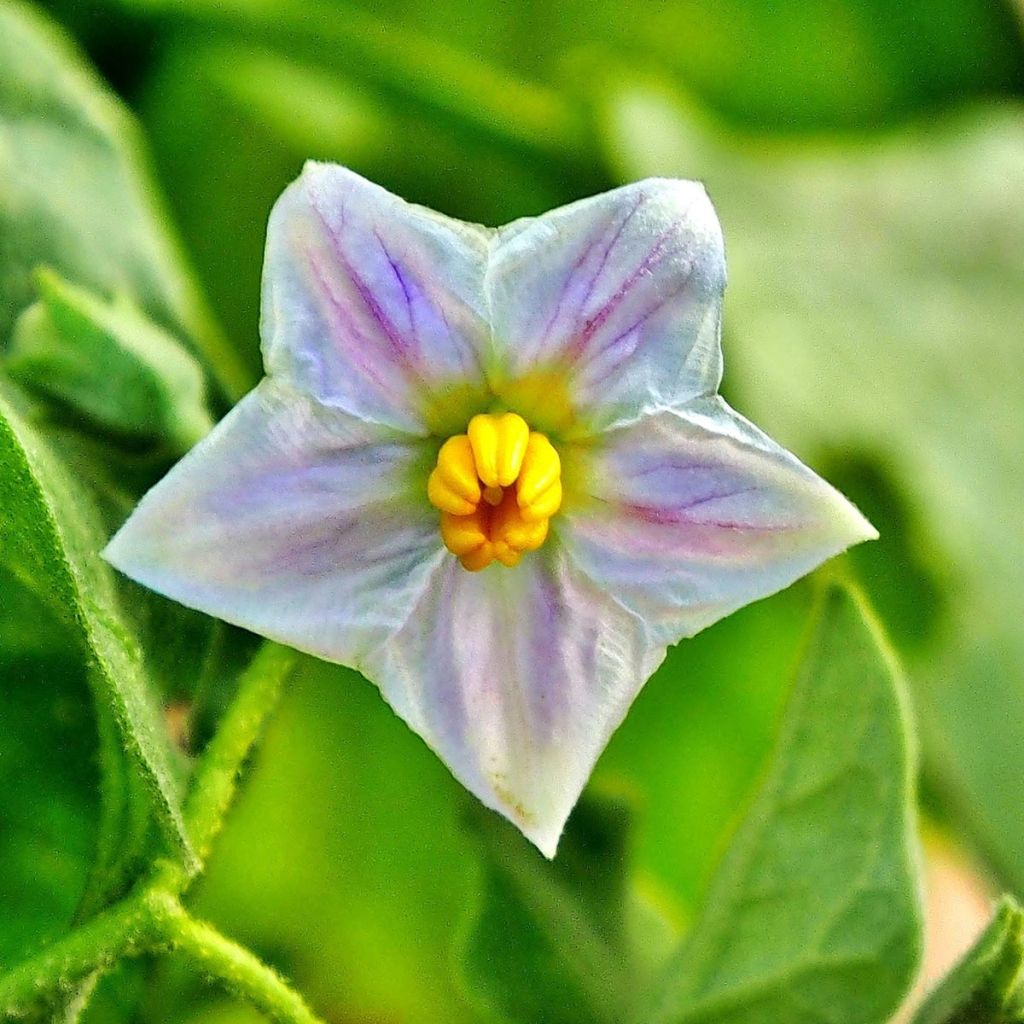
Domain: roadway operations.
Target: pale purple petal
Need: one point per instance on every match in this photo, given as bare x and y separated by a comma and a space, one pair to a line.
292, 520
371, 304
517, 679
621, 292
690, 514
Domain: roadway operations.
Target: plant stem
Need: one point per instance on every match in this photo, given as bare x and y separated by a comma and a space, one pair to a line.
150, 920
239, 971
111, 935
216, 776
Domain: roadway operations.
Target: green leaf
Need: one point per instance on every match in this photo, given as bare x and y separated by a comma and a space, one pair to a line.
108, 362
50, 540
48, 783
875, 299
813, 914
987, 985
708, 716
551, 941
833, 63
441, 81
75, 193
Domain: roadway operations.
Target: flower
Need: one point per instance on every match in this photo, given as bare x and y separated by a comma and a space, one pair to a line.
490, 470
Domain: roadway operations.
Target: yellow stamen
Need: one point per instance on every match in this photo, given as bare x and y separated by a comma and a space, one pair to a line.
497, 487
543, 468
453, 486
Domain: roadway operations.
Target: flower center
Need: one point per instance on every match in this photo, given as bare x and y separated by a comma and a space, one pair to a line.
497, 486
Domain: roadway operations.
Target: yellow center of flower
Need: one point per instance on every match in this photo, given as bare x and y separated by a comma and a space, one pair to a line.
497, 486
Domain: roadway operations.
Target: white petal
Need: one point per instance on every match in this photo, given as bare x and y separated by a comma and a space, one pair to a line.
621, 292
292, 520
517, 678
694, 513
370, 303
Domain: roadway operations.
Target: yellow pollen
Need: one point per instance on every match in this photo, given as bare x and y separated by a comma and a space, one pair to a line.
497, 487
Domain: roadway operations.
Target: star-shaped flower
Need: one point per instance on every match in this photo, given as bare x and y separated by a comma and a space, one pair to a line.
490, 470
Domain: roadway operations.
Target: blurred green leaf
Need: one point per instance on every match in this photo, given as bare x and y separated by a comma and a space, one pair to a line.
987, 985
873, 315
808, 66
551, 940
444, 82
50, 540
835, 63
813, 913
107, 361
75, 195
232, 126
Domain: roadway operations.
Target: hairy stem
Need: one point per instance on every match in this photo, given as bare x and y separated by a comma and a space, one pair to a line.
216, 776
123, 930
239, 971
149, 921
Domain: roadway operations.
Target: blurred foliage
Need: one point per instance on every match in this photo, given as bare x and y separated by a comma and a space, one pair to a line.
988, 984
865, 158
877, 293
109, 363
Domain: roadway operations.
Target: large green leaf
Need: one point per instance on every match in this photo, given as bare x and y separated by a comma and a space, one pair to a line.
873, 315
708, 716
813, 914
987, 986
75, 194
50, 540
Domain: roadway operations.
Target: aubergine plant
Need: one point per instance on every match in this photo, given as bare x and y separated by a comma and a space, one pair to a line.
490, 470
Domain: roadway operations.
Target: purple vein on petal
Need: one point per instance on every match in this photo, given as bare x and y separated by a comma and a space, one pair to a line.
400, 348
346, 328
646, 315
595, 322
548, 629
316, 555
673, 514
611, 355
403, 284
596, 276
581, 260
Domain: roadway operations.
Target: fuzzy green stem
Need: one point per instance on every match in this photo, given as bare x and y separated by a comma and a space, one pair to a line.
118, 932
216, 777
239, 971
149, 921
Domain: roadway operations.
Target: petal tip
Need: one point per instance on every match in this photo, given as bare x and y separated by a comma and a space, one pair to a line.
855, 526
541, 825
546, 842
544, 834
112, 552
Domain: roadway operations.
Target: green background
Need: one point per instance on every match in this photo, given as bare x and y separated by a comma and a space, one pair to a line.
867, 162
